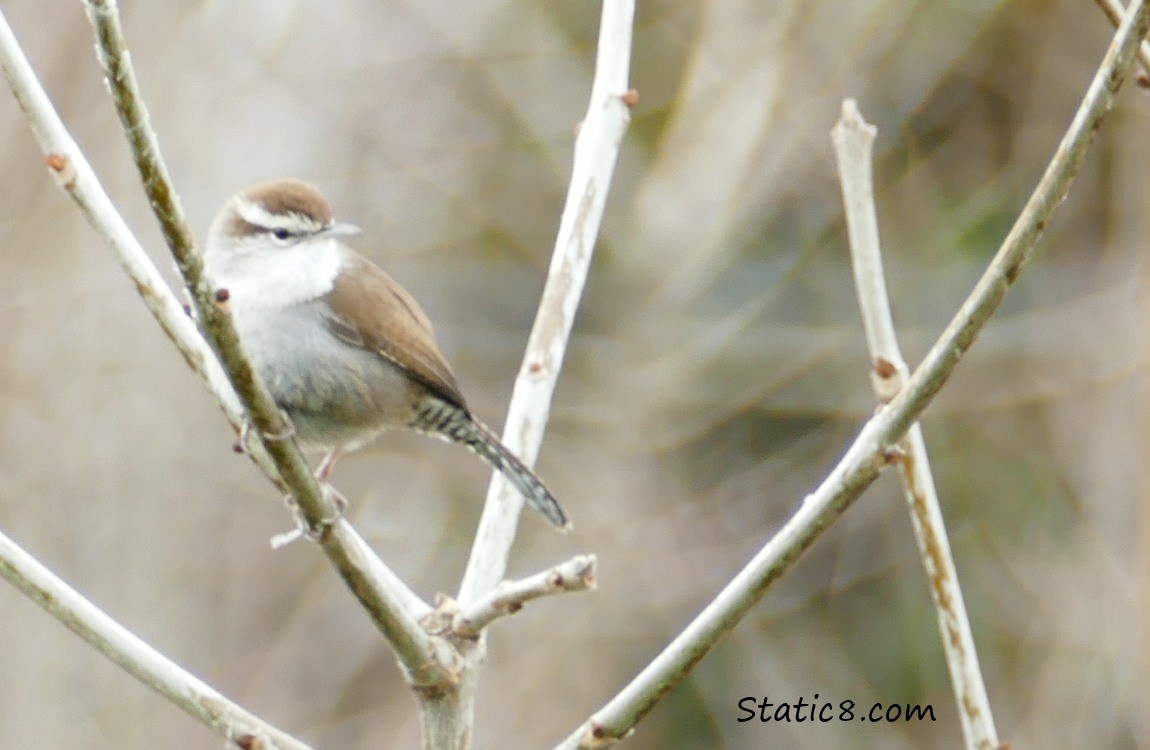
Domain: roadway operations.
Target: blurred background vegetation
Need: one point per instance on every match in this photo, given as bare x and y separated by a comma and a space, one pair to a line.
716, 372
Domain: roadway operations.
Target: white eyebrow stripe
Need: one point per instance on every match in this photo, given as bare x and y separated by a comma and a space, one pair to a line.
256, 215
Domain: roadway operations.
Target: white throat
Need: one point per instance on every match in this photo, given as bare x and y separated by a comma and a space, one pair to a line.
260, 274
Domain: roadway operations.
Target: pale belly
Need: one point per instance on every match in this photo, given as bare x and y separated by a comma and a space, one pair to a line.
336, 394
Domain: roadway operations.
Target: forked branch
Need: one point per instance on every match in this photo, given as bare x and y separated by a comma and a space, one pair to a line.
854, 142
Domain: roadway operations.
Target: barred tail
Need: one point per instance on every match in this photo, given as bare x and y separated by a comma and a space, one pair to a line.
444, 420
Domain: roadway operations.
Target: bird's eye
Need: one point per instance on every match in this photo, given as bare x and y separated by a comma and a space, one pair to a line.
281, 233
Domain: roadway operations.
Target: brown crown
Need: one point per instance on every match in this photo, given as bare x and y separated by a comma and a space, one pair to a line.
291, 196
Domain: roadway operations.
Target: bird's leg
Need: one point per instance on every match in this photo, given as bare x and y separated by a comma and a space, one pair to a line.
321, 475
327, 464
287, 432
241, 444
303, 529
247, 429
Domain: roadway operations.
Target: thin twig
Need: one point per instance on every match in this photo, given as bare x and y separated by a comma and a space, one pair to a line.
854, 142
385, 597
577, 574
448, 716
596, 150
136, 657
212, 308
1114, 10
75, 176
864, 459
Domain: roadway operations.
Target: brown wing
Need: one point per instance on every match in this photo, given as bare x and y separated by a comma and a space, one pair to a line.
396, 327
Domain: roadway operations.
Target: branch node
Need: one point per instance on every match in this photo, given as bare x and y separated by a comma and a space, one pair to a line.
438, 621
887, 379
250, 742
884, 368
62, 170
598, 736
889, 457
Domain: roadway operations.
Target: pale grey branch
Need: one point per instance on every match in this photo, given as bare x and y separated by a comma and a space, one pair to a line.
577, 574
137, 658
74, 174
387, 600
596, 150
1114, 10
866, 455
447, 717
854, 143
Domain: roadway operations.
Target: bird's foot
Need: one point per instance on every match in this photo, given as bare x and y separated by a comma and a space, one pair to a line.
305, 530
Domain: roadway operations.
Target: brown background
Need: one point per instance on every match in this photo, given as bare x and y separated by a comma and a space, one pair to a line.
716, 372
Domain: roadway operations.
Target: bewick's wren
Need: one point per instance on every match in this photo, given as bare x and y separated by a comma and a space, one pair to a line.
344, 350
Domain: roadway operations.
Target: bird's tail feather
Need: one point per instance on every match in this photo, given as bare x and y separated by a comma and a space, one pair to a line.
445, 420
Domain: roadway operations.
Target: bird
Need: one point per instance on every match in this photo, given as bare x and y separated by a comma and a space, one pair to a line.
344, 350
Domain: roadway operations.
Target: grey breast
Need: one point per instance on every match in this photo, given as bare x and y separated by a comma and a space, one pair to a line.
334, 392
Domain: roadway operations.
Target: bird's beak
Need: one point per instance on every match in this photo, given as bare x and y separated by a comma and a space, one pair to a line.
339, 229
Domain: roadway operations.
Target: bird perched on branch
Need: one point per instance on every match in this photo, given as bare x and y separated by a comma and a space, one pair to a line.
343, 349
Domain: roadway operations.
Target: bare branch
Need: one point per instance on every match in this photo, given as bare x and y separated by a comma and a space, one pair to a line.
133, 655
1114, 10
75, 176
396, 612
865, 457
388, 601
210, 303
447, 716
596, 150
577, 574
854, 142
